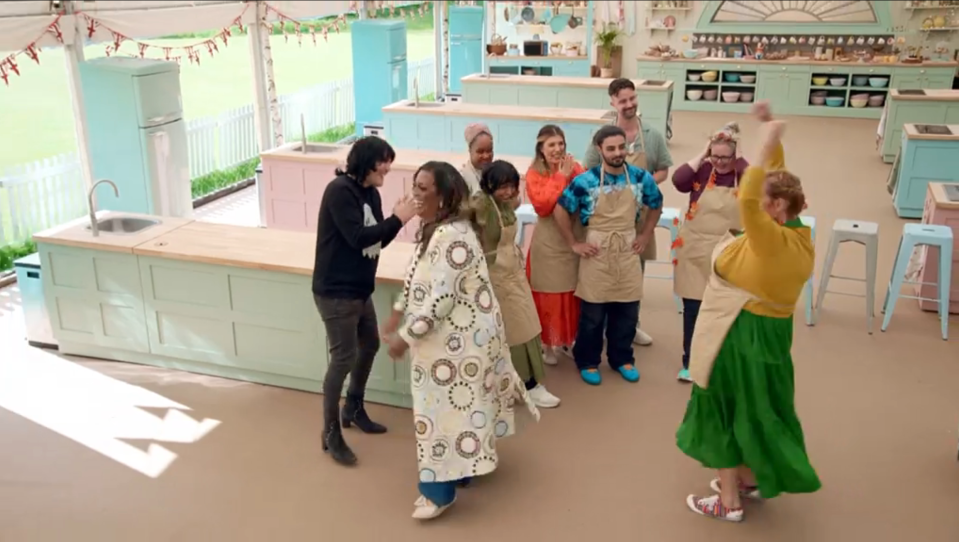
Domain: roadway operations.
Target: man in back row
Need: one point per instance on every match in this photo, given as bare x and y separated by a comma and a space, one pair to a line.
646, 149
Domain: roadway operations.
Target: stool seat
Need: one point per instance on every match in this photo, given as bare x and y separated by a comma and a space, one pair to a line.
525, 214
856, 231
915, 235
669, 219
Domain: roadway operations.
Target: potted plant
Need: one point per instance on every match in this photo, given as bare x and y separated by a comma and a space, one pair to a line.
606, 39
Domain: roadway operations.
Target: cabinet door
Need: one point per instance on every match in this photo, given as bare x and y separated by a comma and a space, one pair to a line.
158, 96
774, 87
649, 73
911, 81
797, 90
397, 43
399, 81
937, 81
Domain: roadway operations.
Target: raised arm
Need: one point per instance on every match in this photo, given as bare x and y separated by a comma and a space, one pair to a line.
684, 177
348, 216
424, 317
763, 234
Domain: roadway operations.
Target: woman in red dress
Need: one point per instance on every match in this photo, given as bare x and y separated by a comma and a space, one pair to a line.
553, 266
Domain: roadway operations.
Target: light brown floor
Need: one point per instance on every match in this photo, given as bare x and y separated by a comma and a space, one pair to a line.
880, 415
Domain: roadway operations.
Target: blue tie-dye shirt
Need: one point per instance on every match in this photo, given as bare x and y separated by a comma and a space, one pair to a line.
581, 194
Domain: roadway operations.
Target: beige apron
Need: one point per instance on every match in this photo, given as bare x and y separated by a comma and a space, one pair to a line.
554, 267
614, 275
511, 288
638, 159
710, 218
722, 303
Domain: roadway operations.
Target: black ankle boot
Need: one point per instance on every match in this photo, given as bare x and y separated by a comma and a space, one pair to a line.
355, 413
334, 444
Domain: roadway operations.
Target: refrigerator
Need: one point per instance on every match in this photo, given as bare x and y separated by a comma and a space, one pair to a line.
380, 75
137, 135
466, 44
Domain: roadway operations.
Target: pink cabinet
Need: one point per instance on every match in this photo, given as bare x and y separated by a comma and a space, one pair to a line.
941, 211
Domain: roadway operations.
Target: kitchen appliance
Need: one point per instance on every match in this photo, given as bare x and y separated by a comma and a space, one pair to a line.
379, 48
37, 320
466, 44
137, 135
536, 48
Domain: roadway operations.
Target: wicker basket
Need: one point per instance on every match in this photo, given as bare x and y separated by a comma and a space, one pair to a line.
498, 49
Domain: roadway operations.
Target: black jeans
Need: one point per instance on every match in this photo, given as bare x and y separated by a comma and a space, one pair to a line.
619, 322
690, 314
353, 340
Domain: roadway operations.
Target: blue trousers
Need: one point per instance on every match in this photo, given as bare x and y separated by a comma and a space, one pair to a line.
442, 493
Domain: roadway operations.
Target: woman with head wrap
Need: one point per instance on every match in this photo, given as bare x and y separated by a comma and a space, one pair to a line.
711, 180
479, 141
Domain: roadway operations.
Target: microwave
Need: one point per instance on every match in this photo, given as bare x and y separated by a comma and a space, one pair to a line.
536, 48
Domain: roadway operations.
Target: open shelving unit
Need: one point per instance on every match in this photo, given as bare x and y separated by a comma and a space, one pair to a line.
848, 88
722, 85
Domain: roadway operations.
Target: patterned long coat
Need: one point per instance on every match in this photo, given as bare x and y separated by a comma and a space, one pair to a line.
463, 382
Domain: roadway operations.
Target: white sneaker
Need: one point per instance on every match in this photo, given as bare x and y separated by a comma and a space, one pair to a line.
427, 509
642, 338
549, 356
712, 507
542, 398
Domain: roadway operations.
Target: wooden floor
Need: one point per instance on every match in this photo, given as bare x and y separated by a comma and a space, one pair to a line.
101, 452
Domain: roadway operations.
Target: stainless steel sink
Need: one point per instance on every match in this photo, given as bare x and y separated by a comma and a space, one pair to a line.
121, 224
933, 129
609, 115
426, 104
498, 75
315, 148
653, 83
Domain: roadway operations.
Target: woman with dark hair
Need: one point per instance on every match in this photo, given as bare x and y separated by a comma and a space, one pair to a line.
350, 233
463, 384
553, 267
479, 142
496, 218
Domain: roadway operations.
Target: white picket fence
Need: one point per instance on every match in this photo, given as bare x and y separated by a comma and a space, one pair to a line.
48, 192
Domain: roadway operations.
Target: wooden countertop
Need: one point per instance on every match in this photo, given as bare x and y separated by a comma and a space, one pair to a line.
518, 58
462, 109
406, 159
557, 81
932, 95
938, 192
77, 234
810, 62
912, 132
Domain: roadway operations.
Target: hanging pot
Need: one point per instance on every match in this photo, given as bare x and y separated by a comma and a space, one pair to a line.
558, 23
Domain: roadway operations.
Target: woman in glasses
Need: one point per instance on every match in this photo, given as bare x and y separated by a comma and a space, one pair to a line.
711, 180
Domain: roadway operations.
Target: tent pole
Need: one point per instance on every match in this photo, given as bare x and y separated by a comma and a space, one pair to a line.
438, 60
73, 53
261, 108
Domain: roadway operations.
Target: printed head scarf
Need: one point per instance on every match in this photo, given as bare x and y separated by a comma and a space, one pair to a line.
728, 133
475, 130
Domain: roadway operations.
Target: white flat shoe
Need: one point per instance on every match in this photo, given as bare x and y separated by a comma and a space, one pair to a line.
426, 509
542, 398
642, 338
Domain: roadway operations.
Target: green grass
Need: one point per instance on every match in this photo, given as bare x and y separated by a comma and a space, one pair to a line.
38, 118
11, 253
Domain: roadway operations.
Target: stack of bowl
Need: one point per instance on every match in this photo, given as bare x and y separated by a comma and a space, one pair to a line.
694, 95
731, 77
877, 100
710, 95
878, 82
820, 81
693, 76
835, 101
860, 80
837, 81
750, 79
818, 97
746, 97
730, 97
710, 77
859, 100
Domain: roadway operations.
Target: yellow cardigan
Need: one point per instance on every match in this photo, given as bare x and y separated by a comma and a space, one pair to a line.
770, 261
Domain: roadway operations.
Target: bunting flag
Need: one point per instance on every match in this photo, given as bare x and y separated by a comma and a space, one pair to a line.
283, 24
10, 66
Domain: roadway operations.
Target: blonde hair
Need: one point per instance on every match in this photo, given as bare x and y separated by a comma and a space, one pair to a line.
728, 134
539, 159
786, 186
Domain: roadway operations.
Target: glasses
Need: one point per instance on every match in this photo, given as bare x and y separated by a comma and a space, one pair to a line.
721, 158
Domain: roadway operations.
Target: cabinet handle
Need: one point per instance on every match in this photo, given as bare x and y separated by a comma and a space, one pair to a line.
702, 65
784, 68
739, 67
922, 71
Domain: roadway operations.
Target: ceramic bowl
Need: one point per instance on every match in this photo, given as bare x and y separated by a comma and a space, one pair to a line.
731, 96
877, 100
860, 80
820, 81
837, 81
817, 100
710, 77
731, 77
835, 101
747, 79
710, 95
694, 95
819, 93
693, 76
858, 102
878, 82
746, 97
862, 96
690, 53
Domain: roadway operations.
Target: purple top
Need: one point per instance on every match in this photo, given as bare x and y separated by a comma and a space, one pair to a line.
693, 183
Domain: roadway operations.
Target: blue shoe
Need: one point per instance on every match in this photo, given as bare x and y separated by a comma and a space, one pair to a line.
629, 373
591, 376
683, 376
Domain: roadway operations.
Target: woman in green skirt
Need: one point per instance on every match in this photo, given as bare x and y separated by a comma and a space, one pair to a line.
741, 418
495, 206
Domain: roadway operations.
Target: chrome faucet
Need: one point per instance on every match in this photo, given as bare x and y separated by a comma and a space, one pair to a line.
94, 227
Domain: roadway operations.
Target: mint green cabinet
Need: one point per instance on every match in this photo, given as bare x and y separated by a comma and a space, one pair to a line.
789, 91
902, 112
93, 298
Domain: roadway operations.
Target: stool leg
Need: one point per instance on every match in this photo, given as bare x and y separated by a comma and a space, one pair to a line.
872, 254
895, 281
885, 300
807, 293
944, 286
824, 278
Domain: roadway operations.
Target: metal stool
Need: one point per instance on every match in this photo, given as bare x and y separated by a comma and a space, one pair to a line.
809, 222
864, 233
669, 220
914, 235
524, 215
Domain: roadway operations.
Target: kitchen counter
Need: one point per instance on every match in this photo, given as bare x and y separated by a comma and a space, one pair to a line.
929, 95
76, 233
462, 109
228, 301
559, 81
809, 61
931, 132
941, 211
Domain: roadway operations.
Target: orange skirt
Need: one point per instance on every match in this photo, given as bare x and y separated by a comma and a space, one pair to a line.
558, 316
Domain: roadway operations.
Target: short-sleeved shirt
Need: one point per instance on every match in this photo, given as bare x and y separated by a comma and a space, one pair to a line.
581, 194
657, 152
